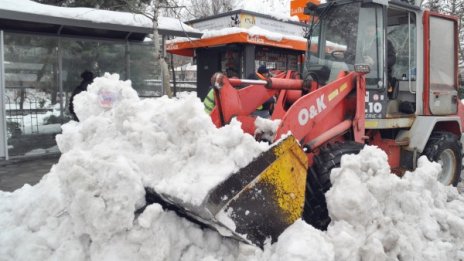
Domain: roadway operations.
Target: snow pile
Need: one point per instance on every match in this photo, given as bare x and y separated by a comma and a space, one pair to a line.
252, 31
86, 204
377, 215
84, 208
172, 144
266, 128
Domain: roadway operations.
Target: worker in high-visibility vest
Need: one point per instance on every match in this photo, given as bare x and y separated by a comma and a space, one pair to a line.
209, 101
261, 74
265, 109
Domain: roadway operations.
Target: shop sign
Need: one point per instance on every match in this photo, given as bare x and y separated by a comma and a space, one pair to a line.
297, 9
244, 20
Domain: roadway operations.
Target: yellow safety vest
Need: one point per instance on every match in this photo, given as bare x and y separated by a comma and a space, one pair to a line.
209, 101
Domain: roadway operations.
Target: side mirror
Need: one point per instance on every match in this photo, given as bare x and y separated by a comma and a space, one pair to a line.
338, 55
310, 9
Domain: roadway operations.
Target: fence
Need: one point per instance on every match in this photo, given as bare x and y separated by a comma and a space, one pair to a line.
22, 116
180, 86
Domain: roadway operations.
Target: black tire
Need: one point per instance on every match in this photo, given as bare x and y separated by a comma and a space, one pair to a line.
446, 149
318, 181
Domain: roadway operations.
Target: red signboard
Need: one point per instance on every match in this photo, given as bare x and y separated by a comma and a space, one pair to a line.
297, 8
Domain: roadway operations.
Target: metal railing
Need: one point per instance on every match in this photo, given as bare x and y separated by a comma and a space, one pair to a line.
22, 115
180, 86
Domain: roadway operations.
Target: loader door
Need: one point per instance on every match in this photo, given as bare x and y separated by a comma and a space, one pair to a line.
441, 77
401, 53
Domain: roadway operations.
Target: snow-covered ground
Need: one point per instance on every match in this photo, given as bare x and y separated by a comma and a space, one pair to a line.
83, 209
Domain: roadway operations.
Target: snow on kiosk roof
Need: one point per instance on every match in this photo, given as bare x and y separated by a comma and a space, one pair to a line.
29, 16
242, 26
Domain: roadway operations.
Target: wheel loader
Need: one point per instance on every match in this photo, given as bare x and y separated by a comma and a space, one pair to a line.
345, 97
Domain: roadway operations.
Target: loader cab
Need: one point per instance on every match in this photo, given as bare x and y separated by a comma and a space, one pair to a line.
349, 33
382, 36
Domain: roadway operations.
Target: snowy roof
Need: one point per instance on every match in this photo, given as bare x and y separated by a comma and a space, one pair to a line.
243, 26
255, 12
246, 19
26, 15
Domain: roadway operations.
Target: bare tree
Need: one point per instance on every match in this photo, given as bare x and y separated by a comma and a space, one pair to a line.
204, 8
115, 5
450, 7
157, 4
456, 7
152, 11
433, 5
172, 8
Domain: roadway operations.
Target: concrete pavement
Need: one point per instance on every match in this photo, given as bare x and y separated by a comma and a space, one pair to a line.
15, 173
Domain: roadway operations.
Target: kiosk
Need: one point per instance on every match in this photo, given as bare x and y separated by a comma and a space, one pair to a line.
240, 41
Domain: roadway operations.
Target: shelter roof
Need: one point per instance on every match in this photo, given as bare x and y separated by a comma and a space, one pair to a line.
29, 16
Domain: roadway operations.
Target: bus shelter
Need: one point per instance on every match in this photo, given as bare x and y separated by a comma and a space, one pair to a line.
43, 51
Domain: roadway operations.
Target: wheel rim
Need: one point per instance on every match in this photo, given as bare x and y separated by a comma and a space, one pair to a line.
447, 161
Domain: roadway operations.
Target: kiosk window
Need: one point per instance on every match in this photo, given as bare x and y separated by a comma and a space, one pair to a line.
276, 59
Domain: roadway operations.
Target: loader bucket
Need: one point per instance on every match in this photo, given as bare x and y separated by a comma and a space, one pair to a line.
258, 202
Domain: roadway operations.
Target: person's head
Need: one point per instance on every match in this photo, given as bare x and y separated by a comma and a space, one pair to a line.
87, 76
262, 69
